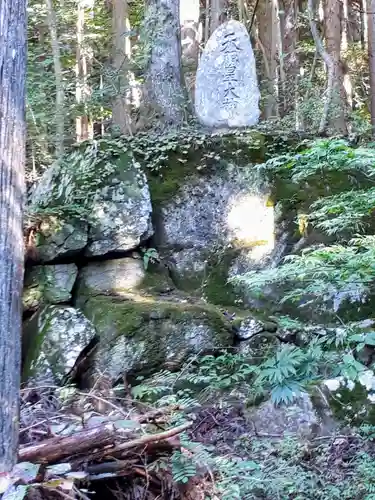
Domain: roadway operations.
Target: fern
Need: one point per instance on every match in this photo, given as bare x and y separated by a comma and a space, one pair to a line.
349, 211
183, 467
342, 179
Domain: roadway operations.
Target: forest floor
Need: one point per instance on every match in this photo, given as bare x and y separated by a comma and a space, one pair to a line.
128, 452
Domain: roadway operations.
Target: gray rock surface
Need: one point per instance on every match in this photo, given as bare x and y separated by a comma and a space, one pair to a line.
51, 284
58, 239
150, 333
215, 220
116, 198
118, 276
54, 338
121, 213
302, 418
249, 327
226, 91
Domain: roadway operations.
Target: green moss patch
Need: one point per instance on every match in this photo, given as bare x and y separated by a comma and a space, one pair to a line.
216, 288
147, 334
129, 317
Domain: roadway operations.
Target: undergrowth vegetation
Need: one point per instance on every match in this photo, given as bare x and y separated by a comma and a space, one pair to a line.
327, 467
332, 183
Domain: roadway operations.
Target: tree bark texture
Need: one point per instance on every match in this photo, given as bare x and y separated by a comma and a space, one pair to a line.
371, 57
190, 42
165, 95
337, 111
60, 98
121, 56
12, 161
267, 40
333, 116
289, 41
218, 13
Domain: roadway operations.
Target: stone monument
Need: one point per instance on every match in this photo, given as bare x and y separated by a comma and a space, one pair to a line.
226, 88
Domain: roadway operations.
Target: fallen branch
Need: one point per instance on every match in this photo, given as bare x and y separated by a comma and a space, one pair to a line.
55, 449
151, 438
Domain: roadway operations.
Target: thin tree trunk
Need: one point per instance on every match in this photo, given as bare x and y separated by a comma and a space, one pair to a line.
327, 60
12, 161
371, 57
345, 39
60, 98
364, 18
190, 40
267, 34
84, 129
207, 22
332, 19
218, 10
332, 61
289, 40
165, 96
241, 10
121, 56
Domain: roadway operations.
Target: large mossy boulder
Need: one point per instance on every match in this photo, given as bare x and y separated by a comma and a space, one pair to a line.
51, 284
100, 202
217, 222
53, 339
146, 334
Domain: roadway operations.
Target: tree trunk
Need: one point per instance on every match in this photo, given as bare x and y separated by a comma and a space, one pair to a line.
84, 128
346, 38
12, 161
121, 56
165, 95
267, 40
60, 112
333, 116
190, 41
337, 110
371, 57
289, 40
364, 22
218, 13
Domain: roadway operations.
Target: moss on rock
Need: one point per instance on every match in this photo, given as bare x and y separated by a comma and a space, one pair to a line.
48, 284
217, 289
204, 156
147, 333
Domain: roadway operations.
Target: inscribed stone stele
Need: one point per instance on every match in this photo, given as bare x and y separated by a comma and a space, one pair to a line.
226, 92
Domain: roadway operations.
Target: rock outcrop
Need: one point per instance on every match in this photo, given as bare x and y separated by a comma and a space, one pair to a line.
109, 193
53, 340
104, 308
52, 284
216, 224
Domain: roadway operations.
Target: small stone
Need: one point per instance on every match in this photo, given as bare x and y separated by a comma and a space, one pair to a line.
51, 284
117, 277
249, 327
55, 337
